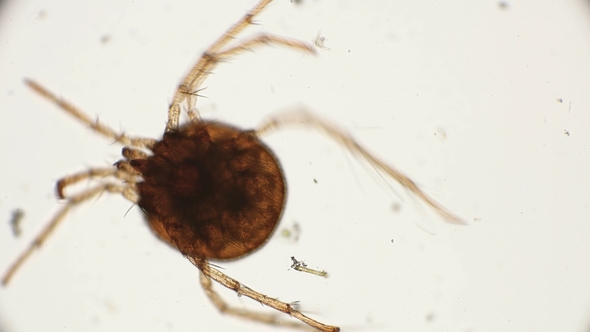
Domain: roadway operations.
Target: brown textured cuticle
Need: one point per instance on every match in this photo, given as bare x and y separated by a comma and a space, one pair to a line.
211, 190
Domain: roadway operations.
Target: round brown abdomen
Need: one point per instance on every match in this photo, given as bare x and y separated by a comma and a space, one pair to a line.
211, 190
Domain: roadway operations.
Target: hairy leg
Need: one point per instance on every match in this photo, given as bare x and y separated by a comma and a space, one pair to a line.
301, 116
190, 84
97, 126
59, 217
210, 272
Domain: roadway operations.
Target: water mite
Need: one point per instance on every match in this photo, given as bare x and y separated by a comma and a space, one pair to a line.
211, 190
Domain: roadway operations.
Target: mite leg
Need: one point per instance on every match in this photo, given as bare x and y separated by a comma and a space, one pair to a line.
71, 202
304, 117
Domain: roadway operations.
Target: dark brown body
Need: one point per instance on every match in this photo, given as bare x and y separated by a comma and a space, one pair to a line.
211, 190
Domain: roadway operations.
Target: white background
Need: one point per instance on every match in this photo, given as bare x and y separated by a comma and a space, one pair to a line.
485, 105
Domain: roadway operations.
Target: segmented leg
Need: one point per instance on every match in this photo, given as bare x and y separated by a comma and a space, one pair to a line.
304, 117
207, 271
224, 308
190, 84
93, 173
96, 125
58, 218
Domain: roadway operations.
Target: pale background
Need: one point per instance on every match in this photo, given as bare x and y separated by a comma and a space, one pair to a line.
485, 104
